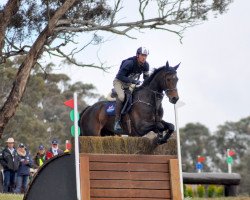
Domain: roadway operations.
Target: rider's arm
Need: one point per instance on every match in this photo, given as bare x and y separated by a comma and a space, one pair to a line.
146, 71
2, 159
124, 72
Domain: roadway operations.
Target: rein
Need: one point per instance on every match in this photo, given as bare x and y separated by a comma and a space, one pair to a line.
148, 104
155, 94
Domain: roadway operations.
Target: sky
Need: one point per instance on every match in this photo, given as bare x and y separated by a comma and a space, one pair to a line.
214, 71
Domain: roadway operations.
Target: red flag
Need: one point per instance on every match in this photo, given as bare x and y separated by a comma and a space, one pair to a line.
69, 103
201, 159
231, 153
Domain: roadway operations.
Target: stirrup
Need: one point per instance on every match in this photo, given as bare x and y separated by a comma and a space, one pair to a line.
117, 126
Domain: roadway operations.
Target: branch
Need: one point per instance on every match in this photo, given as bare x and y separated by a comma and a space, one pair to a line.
21, 79
71, 60
10, 9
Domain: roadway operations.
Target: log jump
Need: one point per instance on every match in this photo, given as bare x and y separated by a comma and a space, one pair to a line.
230, 181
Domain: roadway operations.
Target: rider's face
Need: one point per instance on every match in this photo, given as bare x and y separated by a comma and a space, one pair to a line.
141, 58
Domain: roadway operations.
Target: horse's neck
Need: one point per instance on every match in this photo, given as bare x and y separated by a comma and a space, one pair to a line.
155, 84
150, 94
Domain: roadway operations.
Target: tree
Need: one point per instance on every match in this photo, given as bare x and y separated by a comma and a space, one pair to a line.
235, 136
42, 116
244, 170
195, 140
231, 135
36, 27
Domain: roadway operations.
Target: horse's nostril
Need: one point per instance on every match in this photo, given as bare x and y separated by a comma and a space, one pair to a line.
175, 99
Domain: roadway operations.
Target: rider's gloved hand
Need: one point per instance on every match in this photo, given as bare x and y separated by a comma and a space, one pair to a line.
137, 82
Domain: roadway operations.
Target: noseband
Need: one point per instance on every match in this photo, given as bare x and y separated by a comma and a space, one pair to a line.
169, 90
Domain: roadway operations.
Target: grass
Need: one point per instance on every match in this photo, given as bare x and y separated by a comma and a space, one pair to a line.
222, 198
11, 196
20, 197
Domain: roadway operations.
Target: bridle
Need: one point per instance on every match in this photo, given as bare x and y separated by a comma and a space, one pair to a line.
156, 94
160, 95
168, 89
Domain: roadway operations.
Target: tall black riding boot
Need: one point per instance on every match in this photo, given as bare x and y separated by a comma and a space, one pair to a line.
118, 108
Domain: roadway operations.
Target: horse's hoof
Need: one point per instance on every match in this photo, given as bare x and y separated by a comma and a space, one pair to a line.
164, 139
160, 142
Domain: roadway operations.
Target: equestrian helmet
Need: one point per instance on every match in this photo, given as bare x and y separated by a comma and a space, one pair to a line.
142, 50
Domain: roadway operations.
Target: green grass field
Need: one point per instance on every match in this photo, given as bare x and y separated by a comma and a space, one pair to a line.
11, 197
223, 198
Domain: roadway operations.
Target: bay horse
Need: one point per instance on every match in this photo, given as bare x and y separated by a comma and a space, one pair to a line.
146, 110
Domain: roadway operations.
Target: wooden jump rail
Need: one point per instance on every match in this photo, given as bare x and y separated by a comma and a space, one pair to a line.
230, 181
137, 177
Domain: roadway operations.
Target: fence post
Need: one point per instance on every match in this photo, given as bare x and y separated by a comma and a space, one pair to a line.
231, 190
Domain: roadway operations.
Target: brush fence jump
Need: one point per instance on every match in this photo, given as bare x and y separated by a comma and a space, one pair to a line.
137, 177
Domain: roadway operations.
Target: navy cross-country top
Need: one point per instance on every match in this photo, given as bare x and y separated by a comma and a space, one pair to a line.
130, 70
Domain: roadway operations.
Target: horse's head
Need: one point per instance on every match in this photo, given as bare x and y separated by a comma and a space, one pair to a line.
164, 79
170, 83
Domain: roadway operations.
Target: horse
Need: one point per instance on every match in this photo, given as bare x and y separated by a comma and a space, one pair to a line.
146, 110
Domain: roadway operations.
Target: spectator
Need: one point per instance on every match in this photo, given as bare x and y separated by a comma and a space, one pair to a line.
54, 150
23, 172
9, 161
40, 157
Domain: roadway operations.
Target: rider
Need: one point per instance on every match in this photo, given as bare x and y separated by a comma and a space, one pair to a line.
127, 77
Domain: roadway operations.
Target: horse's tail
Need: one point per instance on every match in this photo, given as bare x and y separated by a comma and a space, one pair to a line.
80, 116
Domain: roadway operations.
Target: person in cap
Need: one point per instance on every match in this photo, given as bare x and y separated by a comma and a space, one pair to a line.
127, 78
40, 157
23, 172
53, 150
9, 161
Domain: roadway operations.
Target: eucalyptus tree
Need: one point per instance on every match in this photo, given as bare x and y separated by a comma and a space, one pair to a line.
234, 136
195, 141
42, 116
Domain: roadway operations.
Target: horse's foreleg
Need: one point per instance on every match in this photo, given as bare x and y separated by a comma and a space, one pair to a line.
168, 128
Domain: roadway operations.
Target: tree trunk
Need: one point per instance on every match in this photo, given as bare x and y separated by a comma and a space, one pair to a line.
9, 10
20, 82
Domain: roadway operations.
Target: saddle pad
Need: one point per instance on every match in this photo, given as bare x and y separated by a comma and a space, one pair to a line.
110, 108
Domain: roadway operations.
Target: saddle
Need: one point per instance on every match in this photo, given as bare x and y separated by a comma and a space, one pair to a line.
127, 104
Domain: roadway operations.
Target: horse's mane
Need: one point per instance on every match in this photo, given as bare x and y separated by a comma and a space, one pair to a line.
156, 71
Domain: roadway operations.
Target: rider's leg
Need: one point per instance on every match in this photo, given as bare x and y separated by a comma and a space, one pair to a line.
118, 108
119, 101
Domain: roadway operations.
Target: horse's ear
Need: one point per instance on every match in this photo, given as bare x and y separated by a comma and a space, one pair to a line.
176, 67
167, 65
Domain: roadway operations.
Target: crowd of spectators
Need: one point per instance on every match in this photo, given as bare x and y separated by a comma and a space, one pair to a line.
18, 165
